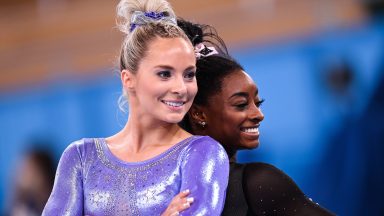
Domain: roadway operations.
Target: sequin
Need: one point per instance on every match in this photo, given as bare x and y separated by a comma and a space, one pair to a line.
90, 180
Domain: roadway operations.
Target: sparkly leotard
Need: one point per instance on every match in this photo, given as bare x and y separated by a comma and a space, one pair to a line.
261, 189
90, 180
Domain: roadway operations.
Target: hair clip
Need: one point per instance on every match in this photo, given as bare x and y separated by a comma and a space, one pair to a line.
140, 18
201, 51
155, 15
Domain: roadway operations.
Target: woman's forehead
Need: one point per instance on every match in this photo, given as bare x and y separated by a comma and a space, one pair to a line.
238, 81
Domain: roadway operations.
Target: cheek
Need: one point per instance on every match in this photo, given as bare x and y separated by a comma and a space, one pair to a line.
226, 121
149, 87
234, 118
192, 89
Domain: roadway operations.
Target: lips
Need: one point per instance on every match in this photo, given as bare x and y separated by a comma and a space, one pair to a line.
175, 104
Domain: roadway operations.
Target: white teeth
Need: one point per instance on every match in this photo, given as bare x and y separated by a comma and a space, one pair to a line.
174, 104
251, 130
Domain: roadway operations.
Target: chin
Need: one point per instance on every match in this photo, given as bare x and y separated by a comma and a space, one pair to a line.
174, 119
250, 144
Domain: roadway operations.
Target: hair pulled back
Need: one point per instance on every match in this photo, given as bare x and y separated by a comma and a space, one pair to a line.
135, 43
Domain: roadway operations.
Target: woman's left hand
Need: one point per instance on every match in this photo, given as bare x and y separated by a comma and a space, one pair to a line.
178, 204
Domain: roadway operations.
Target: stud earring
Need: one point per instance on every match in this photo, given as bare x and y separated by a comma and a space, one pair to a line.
202, 123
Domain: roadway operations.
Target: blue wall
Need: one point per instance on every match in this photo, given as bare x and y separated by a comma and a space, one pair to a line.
329, 143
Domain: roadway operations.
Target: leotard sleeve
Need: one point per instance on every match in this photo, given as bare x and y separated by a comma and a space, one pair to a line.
205, 170
67, 194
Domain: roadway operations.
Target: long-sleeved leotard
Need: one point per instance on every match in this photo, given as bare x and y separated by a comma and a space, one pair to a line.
262, 189
90, 180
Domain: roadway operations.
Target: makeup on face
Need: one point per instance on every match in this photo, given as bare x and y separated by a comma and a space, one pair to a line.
235, 114
165, 81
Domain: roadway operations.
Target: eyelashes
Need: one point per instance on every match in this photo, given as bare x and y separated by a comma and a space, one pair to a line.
167, 74
243, 106
164, 74
260, 102
190, 75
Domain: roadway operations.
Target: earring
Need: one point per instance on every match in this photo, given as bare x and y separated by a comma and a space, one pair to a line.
202, 123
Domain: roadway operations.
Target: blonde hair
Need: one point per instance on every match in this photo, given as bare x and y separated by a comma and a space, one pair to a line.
135, 43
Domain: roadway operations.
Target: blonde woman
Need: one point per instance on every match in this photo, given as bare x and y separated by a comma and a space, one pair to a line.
139, 170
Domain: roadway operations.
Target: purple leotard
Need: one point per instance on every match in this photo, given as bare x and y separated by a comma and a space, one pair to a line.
90, 180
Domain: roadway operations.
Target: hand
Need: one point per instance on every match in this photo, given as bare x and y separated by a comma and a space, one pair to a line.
178, 204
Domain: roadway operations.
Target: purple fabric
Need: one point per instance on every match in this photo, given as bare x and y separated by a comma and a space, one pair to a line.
90, 180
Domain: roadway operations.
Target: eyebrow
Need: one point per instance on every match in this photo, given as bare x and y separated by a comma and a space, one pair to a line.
171, 68
165, 67
239, 94
243, 94
191, 67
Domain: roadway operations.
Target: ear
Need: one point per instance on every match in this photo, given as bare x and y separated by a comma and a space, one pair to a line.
197, 114
128, 80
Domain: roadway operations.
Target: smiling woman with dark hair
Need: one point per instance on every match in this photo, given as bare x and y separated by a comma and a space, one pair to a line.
227, 108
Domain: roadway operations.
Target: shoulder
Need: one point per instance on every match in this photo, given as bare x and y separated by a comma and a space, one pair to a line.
260, 168
204, 142
268, 176
204, 148
265, 172
277, 191
205, 145
79, 148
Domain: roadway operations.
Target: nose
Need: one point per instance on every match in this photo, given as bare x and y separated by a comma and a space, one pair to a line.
179, 87
255, 114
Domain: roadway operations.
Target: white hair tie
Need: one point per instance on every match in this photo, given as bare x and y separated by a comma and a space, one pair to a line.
201, 51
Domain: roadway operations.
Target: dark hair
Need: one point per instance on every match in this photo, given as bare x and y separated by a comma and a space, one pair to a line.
201, 33
211, 70
210, 73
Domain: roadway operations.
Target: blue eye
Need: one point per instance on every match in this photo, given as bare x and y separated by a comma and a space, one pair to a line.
164, 74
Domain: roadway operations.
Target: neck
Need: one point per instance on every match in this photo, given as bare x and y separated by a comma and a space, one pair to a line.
143, 132
231, 154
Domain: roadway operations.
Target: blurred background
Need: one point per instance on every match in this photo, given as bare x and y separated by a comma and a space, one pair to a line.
318, 63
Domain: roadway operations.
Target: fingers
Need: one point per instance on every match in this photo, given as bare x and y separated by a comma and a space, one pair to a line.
183, 203
179, 203
182, 194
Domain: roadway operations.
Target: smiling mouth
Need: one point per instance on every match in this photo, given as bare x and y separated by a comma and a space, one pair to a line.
173, 103
251, 130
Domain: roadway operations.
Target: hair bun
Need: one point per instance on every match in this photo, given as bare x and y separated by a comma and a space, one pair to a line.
200, 33
193, 31
126, 8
